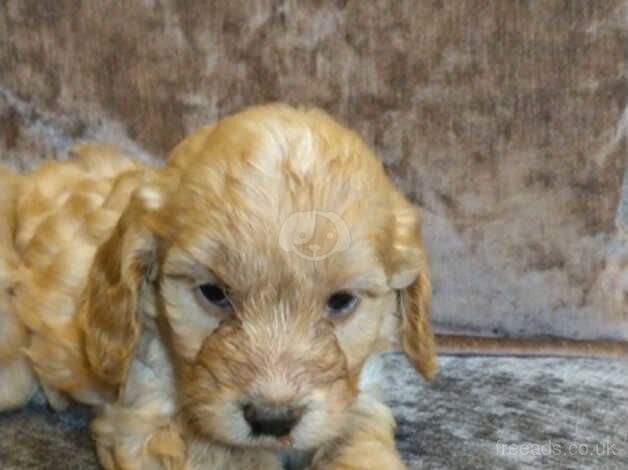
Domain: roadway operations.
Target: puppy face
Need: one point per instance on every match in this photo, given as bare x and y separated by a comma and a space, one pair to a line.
282, 259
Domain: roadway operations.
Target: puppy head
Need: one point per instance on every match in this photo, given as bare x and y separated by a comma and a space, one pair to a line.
285, 259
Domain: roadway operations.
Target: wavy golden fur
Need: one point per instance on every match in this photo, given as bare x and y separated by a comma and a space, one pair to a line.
101, 259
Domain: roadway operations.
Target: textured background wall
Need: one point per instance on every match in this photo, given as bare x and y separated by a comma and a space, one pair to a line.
504, 120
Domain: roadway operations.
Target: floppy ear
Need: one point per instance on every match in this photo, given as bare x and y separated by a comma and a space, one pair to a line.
108, 313
411, 278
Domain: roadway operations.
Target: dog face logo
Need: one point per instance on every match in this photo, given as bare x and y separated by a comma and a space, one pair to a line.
314, 235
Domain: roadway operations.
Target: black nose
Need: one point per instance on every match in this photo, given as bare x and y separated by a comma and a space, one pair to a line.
271, 420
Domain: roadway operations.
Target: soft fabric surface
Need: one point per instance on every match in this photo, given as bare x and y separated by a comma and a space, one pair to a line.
479, 413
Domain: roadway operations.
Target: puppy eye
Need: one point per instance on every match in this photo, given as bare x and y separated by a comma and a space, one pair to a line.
214, 294
340, 303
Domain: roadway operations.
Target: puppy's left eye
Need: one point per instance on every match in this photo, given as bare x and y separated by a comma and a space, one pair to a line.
214, 294
340, 303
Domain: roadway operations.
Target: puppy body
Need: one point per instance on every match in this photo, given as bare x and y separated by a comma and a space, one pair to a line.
101, 261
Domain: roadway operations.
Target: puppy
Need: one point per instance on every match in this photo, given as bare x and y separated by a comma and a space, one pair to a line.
223, 311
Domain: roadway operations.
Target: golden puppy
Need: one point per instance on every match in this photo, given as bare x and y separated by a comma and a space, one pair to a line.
223, 311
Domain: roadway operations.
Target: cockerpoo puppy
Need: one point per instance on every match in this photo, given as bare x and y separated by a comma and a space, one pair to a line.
223, 311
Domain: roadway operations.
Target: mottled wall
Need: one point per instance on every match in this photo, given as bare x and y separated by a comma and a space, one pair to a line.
501, 119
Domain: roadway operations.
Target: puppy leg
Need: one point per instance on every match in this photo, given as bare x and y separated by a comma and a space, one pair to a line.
131, 441
57, 400
126, 440
17, 381
202, 455
369, 443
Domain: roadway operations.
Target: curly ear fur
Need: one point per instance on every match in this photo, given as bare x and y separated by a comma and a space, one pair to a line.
109, 316
412, 279
417, 339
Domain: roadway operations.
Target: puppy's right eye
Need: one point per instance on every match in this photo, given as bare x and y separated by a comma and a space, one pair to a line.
341, 303
214, 294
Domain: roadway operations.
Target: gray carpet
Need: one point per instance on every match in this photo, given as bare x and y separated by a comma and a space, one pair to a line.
479, 413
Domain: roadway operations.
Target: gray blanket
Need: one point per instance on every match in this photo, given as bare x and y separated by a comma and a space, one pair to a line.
479, 413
